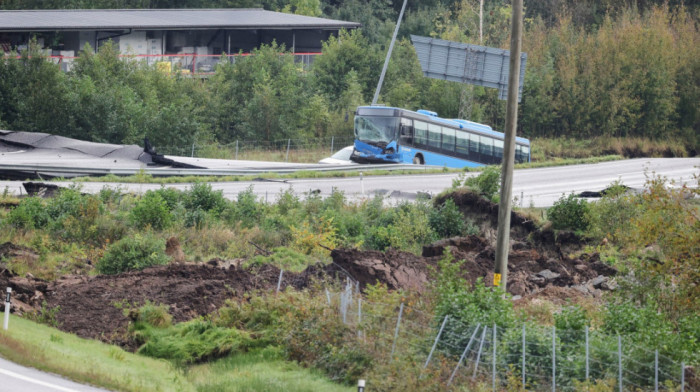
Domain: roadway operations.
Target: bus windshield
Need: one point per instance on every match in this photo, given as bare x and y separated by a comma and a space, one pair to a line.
376, 130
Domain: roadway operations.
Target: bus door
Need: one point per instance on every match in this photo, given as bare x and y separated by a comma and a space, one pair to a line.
406, 132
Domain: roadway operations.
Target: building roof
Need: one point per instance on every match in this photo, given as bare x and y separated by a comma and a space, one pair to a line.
171, 19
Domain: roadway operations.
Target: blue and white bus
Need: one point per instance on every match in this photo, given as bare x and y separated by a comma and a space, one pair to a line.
393, 135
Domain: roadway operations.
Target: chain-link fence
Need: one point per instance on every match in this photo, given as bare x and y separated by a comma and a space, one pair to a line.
282, 150
533, 357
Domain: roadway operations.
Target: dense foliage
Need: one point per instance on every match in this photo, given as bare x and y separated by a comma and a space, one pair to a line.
594, 69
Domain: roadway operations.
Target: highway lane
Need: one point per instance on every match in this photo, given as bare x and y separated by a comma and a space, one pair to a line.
533, 187
17, 378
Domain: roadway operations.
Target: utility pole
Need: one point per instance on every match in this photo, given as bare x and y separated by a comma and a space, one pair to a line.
500, 277
388, 55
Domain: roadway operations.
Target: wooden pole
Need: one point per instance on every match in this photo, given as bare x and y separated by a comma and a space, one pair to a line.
500, 276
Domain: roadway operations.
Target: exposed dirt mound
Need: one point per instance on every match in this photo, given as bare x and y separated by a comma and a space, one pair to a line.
396, 269
485, 214
529, 270
92, 307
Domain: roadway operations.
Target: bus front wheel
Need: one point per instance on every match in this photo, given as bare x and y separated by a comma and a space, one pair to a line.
418, 160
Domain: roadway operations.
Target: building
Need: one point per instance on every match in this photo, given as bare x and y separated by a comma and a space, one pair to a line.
189, 39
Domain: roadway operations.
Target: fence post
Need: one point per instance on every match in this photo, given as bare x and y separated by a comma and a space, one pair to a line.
236, 158
656, 370
437, 339
554, 359
332, 142
362, 185
619, 360
466, 349
279, 281
682, 377
396, 333
289, 142
359, 316
8, 304
360, 385
328, 295
524, 347
493, 374
192, 150
587, 353
478, 355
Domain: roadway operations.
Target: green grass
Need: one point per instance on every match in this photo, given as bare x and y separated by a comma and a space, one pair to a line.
103, 365
87, 361
262, 370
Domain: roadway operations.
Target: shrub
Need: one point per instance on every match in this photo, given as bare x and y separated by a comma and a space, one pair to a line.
151, 210
487, 183
29, 214
467, 305
202, 197
569, 212
446, 220
282, 258
190, 342
247, 209
133, 253
155, 315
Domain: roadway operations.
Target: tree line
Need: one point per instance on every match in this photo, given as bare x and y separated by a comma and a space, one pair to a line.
614, 69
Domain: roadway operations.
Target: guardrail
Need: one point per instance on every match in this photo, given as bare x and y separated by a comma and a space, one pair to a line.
40, 171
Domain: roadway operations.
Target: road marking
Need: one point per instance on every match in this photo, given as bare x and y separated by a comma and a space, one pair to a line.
42, 383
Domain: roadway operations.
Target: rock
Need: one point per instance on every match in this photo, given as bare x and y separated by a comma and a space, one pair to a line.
581, 267
548, 275
516, 297
597, 282
608, 285
538, 280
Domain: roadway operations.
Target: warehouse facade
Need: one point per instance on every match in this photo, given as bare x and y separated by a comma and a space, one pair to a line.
192, 39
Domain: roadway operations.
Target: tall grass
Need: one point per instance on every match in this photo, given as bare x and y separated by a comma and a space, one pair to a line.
87, 361
103, 365
262, 370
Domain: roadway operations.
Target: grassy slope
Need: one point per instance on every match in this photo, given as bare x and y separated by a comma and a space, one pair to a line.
107, 366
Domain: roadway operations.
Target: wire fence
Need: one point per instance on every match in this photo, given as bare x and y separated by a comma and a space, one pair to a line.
532, 356
284, 150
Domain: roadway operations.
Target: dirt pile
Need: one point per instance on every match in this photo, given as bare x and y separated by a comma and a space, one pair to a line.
529, 270
92, 307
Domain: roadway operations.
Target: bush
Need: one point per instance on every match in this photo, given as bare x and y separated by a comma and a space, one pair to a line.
570, 212
29, 214
151, 210
133, 253
446, 220
467, 305
202, 197
282, 258
190, 342
488, 183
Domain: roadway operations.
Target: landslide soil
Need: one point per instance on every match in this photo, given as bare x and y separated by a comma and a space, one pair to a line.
93, 307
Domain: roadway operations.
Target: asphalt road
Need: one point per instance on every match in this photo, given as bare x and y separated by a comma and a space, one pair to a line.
532, 187
16, 378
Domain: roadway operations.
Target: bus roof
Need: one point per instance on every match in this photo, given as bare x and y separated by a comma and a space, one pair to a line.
456, 123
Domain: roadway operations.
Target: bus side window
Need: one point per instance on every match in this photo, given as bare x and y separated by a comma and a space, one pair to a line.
518, 154
421, 133
473, 147
406, 131
486, 148
462, 145
434, 134
498, 150
448, 139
